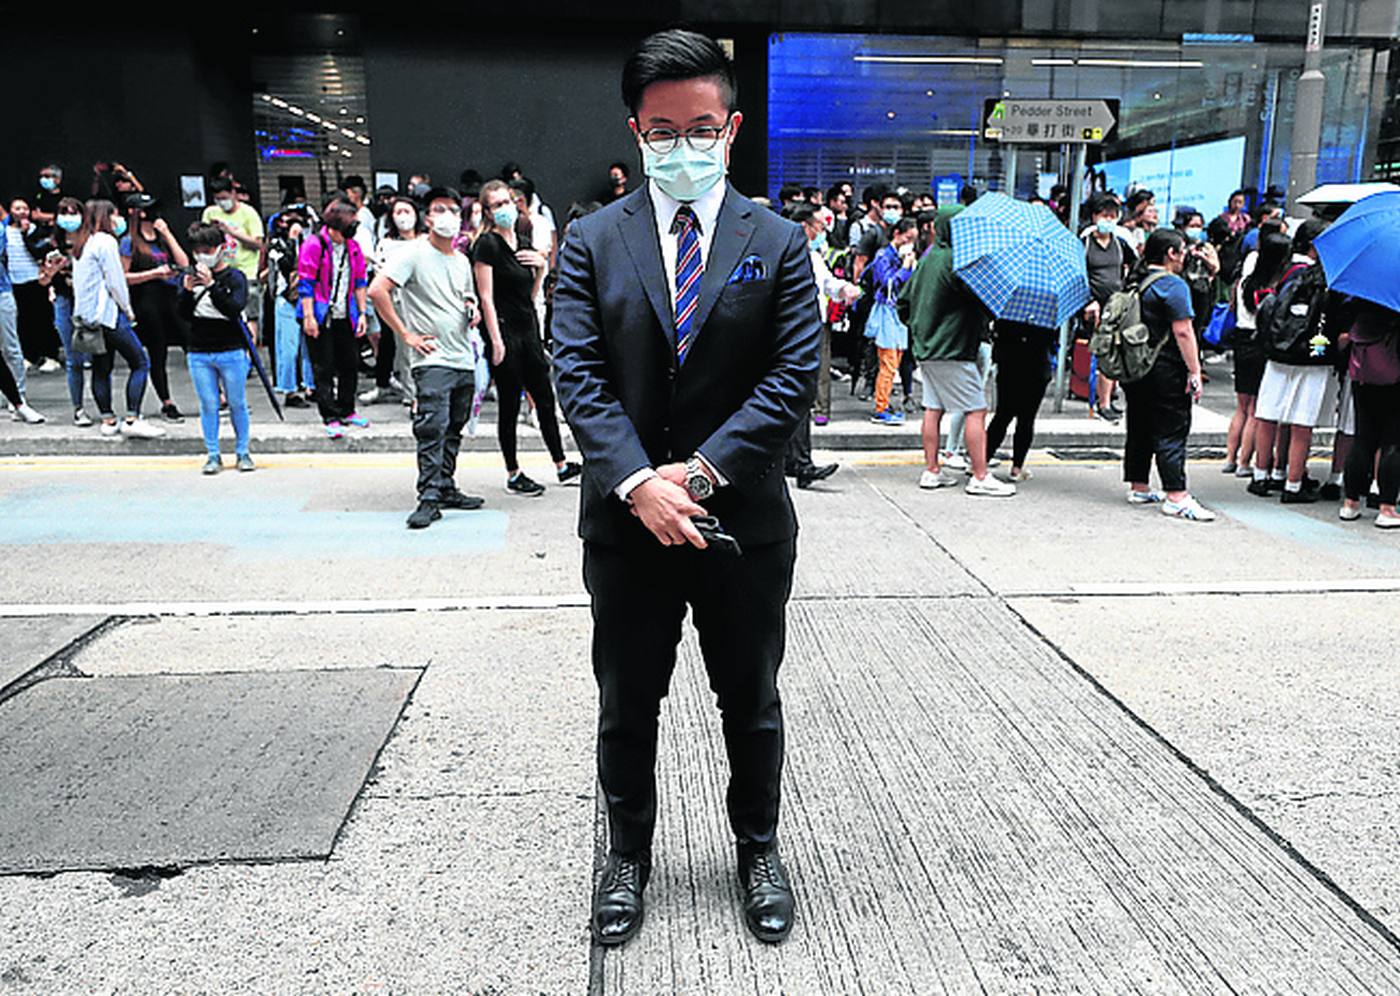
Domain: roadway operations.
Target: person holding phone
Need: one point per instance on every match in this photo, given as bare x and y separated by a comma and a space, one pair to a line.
331, 289
435, 290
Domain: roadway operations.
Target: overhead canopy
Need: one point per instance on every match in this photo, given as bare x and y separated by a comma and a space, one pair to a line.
1344, 193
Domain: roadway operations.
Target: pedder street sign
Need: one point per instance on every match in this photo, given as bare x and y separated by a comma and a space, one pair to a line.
1049, 122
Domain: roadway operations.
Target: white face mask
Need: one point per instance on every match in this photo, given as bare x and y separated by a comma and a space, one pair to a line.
446, 224
209, 259
225, 204
405, 221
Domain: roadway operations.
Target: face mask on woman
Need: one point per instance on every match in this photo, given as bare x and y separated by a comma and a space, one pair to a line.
405, 221
817, 243
118, 226
225, 204
505, 216
446, 224
1196, 234
209, 259
1105, 226
69, 222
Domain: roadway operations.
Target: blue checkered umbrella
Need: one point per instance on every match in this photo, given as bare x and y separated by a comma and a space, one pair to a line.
1020, 261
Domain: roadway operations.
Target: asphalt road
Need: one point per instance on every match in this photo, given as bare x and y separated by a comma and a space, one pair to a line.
1253, 654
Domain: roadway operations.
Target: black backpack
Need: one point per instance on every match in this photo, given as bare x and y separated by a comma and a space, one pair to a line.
1289, 321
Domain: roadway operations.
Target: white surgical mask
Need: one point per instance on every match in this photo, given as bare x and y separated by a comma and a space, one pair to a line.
405, 222
209, 259
446, 223
683, 173
225, 203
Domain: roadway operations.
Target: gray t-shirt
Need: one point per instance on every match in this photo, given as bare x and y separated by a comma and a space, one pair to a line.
434, 287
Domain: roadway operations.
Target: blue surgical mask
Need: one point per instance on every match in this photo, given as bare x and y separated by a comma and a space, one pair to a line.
683, 173
1105, 226
891, 217
48, 183
118, 226
1196, 234
69, 222
817, 244
505, 216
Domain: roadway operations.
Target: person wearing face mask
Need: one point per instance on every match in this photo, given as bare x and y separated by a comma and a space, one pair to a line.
151, 254
216, 352
1108, 258
243, 226
1159, 404
102, 300
13, 358
50, 193
381, 208
876, 238
57, 274
26, 245
405, 228
331, 290
1202, 265
509, 273
616, 188
687, 344
291, 354
893, 266
426, 297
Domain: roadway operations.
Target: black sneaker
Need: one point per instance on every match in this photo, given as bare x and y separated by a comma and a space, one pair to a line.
1108, 415
171, 413
461, 502
296, 401
424, 515
1260, 488
1373, 500
1276, 484
570, 473
1330, 492
1303, 497
523, 486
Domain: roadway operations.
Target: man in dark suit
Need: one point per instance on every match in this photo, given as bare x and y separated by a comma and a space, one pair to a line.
687, 344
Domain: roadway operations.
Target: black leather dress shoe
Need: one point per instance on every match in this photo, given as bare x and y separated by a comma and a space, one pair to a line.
768, 902
810, 475
618, 909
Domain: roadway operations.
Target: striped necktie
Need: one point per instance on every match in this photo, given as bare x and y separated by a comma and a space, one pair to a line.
689, 267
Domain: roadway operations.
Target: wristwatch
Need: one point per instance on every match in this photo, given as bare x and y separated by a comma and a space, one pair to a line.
697, 482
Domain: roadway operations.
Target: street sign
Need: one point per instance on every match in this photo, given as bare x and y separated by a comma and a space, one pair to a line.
1049, 122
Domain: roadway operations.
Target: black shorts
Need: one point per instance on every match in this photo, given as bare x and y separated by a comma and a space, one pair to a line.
1249, 371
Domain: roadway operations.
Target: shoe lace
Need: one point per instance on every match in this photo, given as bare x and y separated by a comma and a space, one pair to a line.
627, 874
763, 870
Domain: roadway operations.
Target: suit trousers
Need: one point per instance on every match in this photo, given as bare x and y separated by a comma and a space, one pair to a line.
739, 609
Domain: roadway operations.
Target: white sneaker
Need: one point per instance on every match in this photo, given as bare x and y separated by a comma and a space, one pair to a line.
1384, 521
369, 397
50, 365
955, 461
111, 430
1019, 476
990, 487
1146, 497
141, 429
26, 414
1190, 508
81, 419
1347, 513
931, 481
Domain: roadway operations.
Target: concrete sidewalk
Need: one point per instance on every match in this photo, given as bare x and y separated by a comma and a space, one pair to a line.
850, 429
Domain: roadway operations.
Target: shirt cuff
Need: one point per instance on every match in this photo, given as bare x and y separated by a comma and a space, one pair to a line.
720, 481
625, 489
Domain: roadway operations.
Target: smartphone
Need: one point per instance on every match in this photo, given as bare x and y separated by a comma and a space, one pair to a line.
715, 536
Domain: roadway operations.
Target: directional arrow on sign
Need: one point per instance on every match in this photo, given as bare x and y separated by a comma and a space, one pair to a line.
1050, 122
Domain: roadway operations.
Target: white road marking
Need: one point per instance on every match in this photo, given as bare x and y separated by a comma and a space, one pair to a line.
1138, 589
366, 606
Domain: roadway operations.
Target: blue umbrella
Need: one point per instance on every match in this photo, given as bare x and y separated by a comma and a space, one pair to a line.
1360, 252
1020, 261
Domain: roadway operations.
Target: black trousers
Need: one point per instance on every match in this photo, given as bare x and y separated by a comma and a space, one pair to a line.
157, 326
739, 607
1159, 421
1377, 430
525, 368
1022, 376
335, 363
38, 337
9, 390
384, 358
444, 407
798, 455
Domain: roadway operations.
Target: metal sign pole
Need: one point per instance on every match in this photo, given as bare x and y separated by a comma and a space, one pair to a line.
1010, 157
1076, 190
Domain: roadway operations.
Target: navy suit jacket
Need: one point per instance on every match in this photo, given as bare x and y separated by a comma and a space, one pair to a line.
748, 380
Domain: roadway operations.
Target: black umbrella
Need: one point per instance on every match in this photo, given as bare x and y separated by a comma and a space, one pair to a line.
258, 366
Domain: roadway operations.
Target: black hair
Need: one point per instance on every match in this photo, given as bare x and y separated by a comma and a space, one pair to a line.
677, 55
888, 193
905, 224
1184, 216
468, 178
216, 167
1306, 233
789, 192
1238, 193
810, 192
1275, 250
927, 216
967, 194
354, 182
441, 193
1269, 207
621, 168
525, 186
1137, 199
510, 169
1154, 253
221, 185
579, 209
205, 237
1105, 202
835, 191
801, 212
875, 192
906, 201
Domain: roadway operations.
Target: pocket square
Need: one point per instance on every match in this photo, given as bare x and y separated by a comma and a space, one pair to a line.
751, 268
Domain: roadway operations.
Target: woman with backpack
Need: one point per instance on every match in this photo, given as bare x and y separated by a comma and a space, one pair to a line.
1375, 375
1159, 403
1261, 270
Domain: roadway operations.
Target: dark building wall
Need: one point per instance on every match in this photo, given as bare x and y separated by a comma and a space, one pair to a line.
144, 97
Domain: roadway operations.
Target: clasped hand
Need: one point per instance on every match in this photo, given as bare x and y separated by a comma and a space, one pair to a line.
665, 508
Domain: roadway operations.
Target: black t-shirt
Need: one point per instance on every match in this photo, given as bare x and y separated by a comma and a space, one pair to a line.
1106, 266
872, 242
512, 285
47, 201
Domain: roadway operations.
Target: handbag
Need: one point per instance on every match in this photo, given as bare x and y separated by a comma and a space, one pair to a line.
1221, 324
885, 327
89, 338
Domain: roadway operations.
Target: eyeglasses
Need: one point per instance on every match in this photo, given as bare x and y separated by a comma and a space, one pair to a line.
701, 138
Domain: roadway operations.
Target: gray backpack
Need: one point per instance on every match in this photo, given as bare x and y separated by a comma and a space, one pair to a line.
1122, 343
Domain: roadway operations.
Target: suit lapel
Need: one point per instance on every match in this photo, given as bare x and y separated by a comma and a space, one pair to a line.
638, 229
733, 231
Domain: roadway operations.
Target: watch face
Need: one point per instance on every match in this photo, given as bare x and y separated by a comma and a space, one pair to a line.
699, 486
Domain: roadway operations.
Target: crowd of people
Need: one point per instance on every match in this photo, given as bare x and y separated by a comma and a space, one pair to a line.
440, 298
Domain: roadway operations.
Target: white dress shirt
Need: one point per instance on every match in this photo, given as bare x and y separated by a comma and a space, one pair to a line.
664, 208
